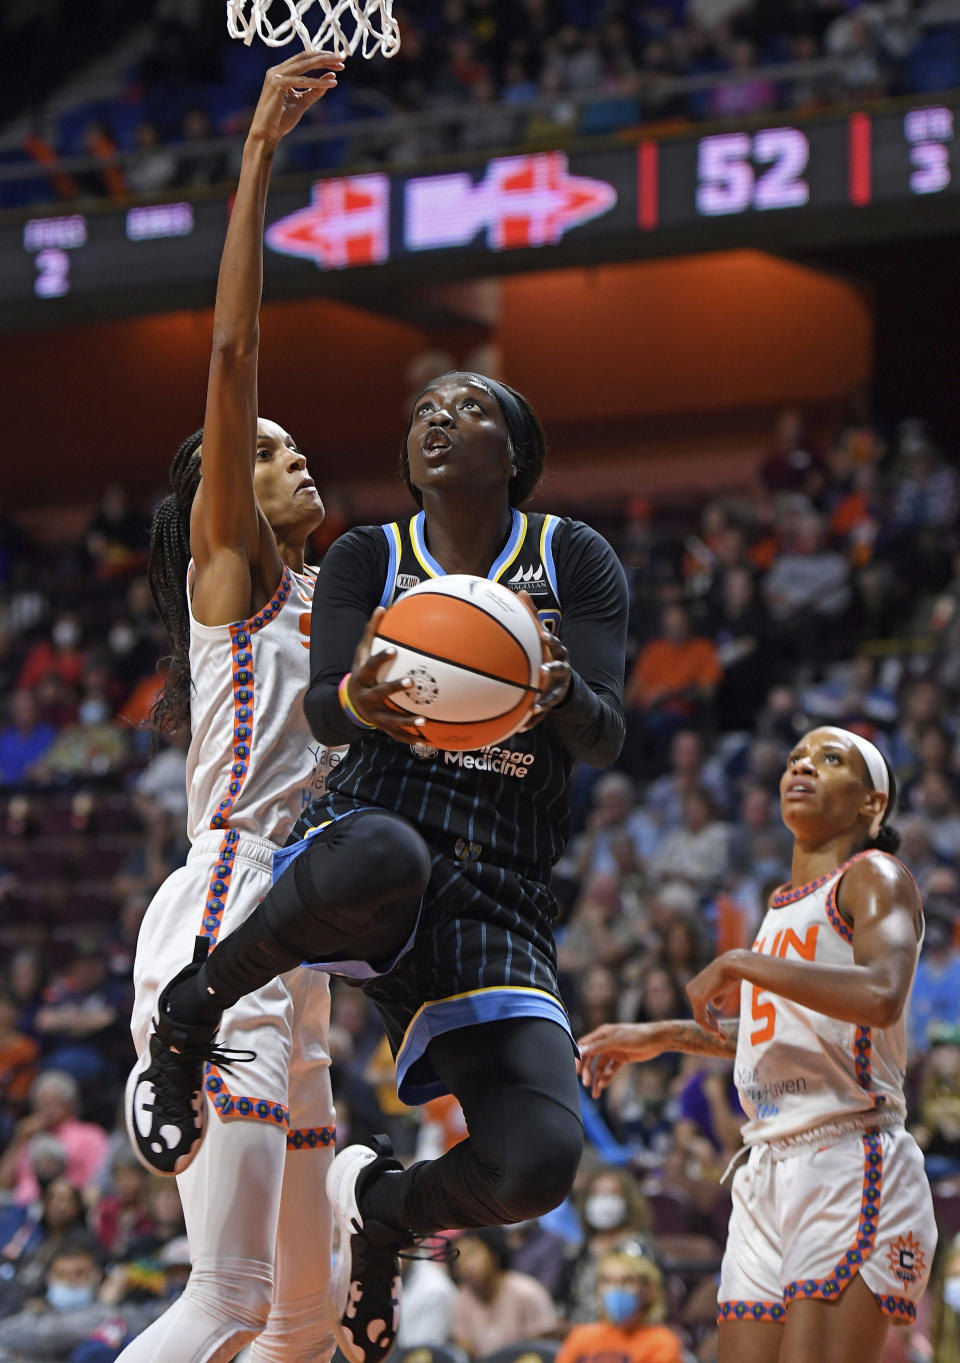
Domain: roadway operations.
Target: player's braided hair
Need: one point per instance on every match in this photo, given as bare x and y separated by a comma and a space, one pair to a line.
167, 575
887, 837
526, 441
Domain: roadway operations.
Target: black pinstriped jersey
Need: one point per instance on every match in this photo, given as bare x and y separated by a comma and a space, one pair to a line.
506, 804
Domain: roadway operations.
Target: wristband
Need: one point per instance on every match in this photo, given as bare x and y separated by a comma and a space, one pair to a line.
343, 691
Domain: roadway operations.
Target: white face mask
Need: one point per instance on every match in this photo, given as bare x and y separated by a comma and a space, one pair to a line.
951, 1293
605, 1211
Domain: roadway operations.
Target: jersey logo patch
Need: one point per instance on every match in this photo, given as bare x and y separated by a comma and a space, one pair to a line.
407, 580
529, 580
907, 1260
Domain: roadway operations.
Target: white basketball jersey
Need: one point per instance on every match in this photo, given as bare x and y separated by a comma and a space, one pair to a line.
253, 763
796, 1069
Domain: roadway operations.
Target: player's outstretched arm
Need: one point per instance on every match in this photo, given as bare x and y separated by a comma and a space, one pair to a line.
225, 523
605, 1050
879, 898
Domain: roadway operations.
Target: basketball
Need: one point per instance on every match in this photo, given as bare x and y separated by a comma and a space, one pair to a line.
472, 650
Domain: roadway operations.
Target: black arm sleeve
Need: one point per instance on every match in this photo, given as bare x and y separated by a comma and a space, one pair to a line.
349, 587
593, 596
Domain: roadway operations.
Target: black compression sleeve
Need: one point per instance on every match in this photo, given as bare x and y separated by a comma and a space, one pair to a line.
593, 598
349, 587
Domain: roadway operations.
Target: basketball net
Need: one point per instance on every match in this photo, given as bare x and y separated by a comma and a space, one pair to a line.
344, 25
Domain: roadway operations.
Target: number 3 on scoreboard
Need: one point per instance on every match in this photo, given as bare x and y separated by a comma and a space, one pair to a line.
729, 180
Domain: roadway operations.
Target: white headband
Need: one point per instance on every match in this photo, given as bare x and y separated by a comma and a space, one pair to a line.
876, 769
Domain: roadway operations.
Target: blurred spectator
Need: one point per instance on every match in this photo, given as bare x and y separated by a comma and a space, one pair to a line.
166, 1220
495, 1305
743, 96
54, 1100
156, 166
853, 695
163, 782
24, 741
613, 1212
108, 179
672, 682
710, 1116
79, 1017
61, 1215
946, 1344
741, 633
939, 809
92, 746
791, 465
809, 592
632, 1304
23, 1227
698, 851
429, 1301
936, 988
195, 166
18, 1061
537, 1251
116, 535
25, 981
687, 772
598, 931
74, 1305
59, 656
614, 814
938, 1131
122, 1216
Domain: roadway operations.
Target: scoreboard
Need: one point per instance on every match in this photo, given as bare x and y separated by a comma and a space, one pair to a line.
891, 171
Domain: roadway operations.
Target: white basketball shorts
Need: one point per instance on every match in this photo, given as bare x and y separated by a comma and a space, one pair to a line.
285, 1022
807, 1220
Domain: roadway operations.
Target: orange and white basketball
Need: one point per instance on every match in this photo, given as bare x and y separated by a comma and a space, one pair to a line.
472, 650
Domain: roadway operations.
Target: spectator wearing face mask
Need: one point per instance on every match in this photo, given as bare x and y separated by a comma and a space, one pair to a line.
614, 1212
72, 1308
631, 1301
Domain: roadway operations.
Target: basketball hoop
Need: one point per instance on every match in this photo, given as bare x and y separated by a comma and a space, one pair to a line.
344, 25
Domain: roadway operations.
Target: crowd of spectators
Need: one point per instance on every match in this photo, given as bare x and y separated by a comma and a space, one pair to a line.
592, 66
829, 590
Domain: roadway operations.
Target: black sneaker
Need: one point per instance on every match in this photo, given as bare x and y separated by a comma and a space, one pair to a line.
164, 1106
365, 1284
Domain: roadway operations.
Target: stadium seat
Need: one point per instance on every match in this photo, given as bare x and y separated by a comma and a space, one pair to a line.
527, 1351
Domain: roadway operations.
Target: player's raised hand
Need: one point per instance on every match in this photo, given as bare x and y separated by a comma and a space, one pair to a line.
367, 695
288, 92
555, 672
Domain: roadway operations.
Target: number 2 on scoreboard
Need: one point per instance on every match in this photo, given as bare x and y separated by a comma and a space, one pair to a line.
731, 176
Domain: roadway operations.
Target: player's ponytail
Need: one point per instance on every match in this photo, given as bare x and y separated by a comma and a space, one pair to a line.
887, 838
167, 575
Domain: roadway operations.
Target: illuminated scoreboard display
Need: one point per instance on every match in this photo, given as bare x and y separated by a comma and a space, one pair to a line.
795, 183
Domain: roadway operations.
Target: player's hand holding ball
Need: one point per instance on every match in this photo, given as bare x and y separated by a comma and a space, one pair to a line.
367, 695
288, 92
555, 674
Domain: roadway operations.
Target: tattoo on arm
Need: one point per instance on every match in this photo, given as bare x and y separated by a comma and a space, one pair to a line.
693, 1040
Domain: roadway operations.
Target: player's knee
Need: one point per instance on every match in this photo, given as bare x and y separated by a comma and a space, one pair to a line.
540, 1170
395, 857
372, 861
239, 1292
